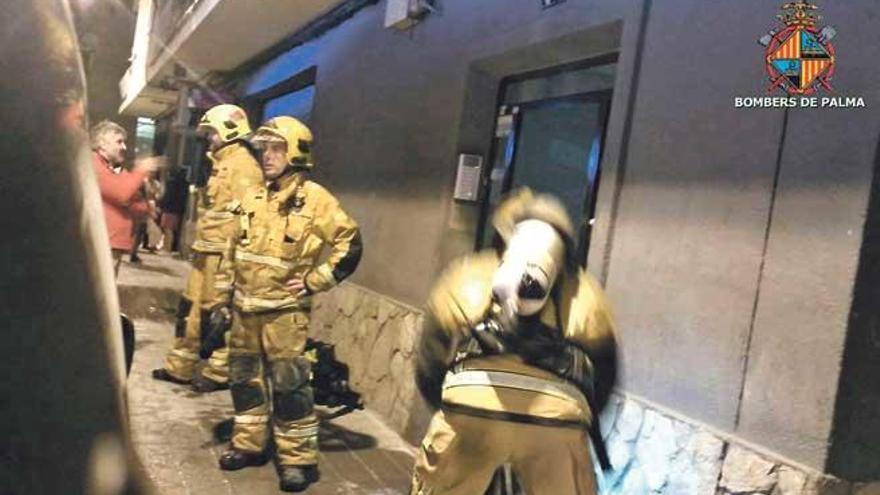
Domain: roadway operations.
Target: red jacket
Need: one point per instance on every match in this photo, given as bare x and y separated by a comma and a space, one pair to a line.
122, 200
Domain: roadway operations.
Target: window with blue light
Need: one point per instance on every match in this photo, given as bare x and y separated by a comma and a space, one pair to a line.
296, 104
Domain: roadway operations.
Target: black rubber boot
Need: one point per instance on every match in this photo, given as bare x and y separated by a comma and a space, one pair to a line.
234, 459
204, 385
297, 478
165, 376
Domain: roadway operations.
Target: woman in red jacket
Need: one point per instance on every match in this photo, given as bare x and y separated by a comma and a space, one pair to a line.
120, 189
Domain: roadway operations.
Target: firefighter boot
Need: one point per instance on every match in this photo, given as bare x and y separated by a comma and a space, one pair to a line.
297, 478
235, 459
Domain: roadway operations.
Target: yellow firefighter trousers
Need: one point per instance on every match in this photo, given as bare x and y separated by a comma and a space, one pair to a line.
208, 286
271, 337
460, 453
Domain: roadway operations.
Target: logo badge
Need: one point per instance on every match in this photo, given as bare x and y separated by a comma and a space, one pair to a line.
799, 57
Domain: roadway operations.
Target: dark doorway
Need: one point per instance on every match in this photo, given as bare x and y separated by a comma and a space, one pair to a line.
549, 136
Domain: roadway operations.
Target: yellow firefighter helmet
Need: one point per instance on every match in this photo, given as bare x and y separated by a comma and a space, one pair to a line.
294, 133
229, 121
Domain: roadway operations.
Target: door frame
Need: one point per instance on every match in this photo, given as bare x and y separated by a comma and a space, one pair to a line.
603, 97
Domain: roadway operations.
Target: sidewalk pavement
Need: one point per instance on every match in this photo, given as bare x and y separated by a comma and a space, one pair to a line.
173, 427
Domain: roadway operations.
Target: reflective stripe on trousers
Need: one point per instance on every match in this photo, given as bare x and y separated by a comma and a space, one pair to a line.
516, 381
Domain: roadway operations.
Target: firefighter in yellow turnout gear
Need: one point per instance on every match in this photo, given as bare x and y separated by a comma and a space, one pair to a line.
209, 286
518, 354
283, 227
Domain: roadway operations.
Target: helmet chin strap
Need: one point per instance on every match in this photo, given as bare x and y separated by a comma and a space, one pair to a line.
288, 170
292, 168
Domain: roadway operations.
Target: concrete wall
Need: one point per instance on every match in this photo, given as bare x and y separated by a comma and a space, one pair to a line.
689, 231
393, 110
735, 246
856, 435
728, 239
826, 169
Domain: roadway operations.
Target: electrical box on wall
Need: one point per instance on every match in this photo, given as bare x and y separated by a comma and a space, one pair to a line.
404, 14
468, 177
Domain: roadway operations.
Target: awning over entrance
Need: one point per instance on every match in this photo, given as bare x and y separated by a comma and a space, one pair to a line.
203, 37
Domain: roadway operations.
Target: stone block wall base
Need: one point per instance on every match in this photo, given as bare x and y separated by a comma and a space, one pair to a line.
376, 337
654, 453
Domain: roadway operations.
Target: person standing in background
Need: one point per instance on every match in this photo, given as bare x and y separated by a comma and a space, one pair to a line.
146, 232
173, 204
120, 189
234, 169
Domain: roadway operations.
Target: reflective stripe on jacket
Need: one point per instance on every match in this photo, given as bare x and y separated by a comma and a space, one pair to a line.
504, 384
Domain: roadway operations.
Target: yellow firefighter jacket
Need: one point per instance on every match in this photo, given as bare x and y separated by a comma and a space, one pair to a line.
503, 383
234, 171
282, 228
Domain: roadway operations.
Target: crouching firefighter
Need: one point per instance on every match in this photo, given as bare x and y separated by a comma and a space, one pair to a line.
283, 227
518, 356
234, 169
